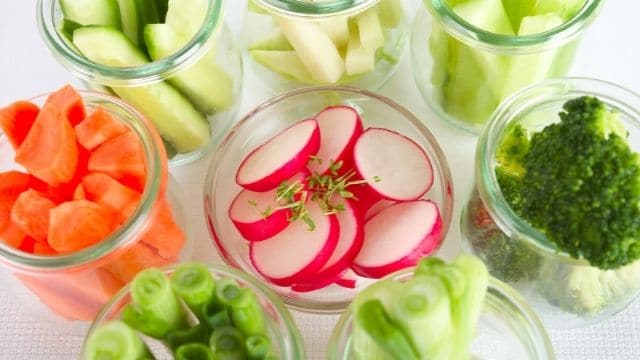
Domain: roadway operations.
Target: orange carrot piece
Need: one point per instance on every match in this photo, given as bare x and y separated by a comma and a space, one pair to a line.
16, 121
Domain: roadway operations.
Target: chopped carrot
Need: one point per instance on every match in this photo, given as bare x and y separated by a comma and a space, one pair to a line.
123, 159
16, 121
134, 260
97, 128
30, 213
104, 190
74, 225
69, 102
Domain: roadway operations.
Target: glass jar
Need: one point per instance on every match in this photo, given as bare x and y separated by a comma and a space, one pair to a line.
66, 289
284, 334
464, 72
566, 292
507, 329
190, 96
291, 43
273, 116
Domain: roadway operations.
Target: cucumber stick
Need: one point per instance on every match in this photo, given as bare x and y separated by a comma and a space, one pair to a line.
205, 83
186, 16
173, 115
134, 15
92, 12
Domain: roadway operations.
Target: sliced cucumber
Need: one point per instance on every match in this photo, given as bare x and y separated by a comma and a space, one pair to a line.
284, 62
92, 12
135, 14
315, 49
359, 59
205, 83
274, 41
370, 30
527, 69
129, 19
186, 16
338, 30
173, 115
566, 9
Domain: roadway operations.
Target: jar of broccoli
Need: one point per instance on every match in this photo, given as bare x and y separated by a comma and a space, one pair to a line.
555, 208
291, 43
470, 55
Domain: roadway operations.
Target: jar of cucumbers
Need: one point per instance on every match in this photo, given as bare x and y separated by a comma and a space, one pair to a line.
470, 55
292, 43
174, 60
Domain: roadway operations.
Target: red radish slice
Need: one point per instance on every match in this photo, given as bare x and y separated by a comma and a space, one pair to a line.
349, 244
247, 212
394, 166
340, 127
297, 253
377, 207
398, 237
280, 158
348, 280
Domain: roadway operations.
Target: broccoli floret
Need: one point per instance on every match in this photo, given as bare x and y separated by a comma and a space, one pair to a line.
514, 147
581, 185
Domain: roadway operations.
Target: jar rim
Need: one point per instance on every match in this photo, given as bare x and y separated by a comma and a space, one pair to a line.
129, 231
152, 72
513, 44
313, 9
294, 348
500, 297
487, 185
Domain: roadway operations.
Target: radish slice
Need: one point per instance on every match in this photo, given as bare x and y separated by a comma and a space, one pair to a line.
349, 244
247, 212
348, 280
377, 207
398, 237
296, 253
280, 158
340, 127
394, 166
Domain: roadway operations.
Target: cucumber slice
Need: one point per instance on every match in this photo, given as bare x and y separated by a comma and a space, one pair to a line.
135, 14
315, 49
129, 19
186, 16
283, 62
528, 69
566, 9
370, 30
205, 83
274, 41
390, 13
338, 30
92, 12
174, 117
359, 59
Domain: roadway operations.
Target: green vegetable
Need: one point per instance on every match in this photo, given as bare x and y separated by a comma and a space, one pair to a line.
431, 316
195, 285
115, 341
152, 294
195, 334
581, 185
227, 343
257, 346
194, 351
145, 322
244, 309
218, 319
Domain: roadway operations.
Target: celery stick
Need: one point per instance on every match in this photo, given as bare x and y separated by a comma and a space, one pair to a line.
363, 347
194, 351
244, 308
151, 292
194, 334
219, 319
372, 317
257, 346
115, 341
195, 285
145, 322
422, 310
227, 343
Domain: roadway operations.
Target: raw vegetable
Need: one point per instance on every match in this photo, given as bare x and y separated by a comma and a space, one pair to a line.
195, 285
92, 12
573, 169
431, 316
78, 224
16, 121
97, 128
115, 341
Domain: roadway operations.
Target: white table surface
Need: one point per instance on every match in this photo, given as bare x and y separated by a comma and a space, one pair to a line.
609, 51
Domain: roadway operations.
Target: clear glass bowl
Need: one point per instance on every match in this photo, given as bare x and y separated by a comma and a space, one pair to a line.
507, 329
212, 51
261, 22
84, 280
564, 291
464, 72
273, 116
284, 334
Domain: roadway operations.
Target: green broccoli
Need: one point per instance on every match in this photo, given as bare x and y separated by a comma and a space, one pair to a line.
580, 185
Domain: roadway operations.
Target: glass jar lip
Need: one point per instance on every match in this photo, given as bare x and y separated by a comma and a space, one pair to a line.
439, 161
499, 296
125, 76
127, 233
316, 9
296, 351
512, 44
487, 184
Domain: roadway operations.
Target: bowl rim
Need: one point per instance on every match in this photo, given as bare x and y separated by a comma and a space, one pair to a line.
437, 157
